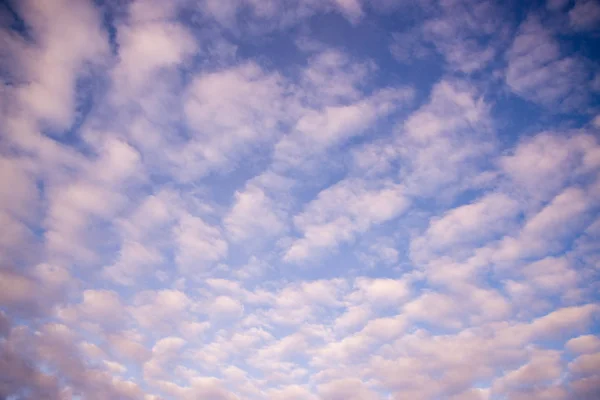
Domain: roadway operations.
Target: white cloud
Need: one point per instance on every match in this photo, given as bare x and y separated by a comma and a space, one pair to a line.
467, 225
586, 364
445, 139
407, 47
18, 192
563, 320
164, 352
292, 392
229, 112
199, 244
543, 367
346, 389
55, 346
115, 367
159, 309
16, 290
466, 32
208, 387
226, 307
334, 78
50, 282
556, 4
585, 15
249, 199
545, 231
380, 292
134, 258
351, 9
542, 165
320, 129
586, 388
551, 274
301, 302
539, 72
66, 38
71, 210
584, 344
254, 214
152, 214
341, 212
98, 306
129, 347
147, 47
435, 308
353, 318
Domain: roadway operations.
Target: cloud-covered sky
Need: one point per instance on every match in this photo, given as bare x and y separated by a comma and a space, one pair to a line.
300, 200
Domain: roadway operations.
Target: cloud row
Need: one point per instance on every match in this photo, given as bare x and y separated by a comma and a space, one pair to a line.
299, 200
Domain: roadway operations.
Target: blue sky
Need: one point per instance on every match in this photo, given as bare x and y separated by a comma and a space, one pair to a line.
300, 199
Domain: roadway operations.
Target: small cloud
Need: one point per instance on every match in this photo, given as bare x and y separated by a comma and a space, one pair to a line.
585, 16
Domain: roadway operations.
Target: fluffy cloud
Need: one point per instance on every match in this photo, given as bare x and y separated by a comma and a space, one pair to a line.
445, 139
60, 54
467, 33
585, 15
341, 211
467, 224
254, 213
245, 104
249, 199
583, 344
199, 244
539, 72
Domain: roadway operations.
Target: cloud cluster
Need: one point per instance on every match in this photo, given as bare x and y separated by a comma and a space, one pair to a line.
251, 199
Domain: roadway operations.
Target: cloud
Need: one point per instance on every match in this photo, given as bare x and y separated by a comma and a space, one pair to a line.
251, 199
543, 368
586, 388
585, 364
98, 306
163, 352
54, 345
322, 129
326, 225
583, 344
51, 282
380, 292
159, 309
455, 121
409, 47
146, 47
200, 244
585, 15
265, 16
467, 225
61, 52
133, 259
224, 307
346, 389
556, 4
294, 392
142, 243
352, 9
244, 102
544, 232
538, 71
466, 33
128, 346
254, 213
542, 165
353, 318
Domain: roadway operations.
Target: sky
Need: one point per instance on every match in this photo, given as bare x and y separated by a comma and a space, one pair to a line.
300, 200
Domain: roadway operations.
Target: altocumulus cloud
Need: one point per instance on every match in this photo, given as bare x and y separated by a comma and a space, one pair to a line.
301, 199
